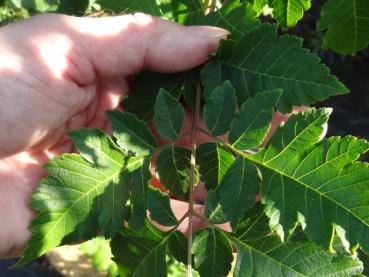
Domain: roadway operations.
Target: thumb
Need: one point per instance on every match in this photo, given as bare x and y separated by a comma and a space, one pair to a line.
124, 45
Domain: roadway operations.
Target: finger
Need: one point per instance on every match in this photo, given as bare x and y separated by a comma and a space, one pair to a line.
124, 45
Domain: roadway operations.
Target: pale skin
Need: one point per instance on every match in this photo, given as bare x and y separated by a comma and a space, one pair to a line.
59, 73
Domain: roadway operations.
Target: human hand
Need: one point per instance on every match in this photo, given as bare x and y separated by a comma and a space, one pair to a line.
59, 73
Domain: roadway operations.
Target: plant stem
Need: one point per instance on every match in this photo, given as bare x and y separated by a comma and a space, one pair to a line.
192, 177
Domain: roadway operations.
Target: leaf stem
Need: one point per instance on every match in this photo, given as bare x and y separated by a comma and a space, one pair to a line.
192, 177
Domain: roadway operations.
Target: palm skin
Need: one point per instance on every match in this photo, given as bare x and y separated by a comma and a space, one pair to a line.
59, 73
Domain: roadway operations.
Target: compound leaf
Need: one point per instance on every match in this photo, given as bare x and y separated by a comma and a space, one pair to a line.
212, 253
219, 109
132, 134
289, 12
168, 115
72, 190
158, 204
173, 168
317, 183
347, 25
213, 160
261, 60
250, 126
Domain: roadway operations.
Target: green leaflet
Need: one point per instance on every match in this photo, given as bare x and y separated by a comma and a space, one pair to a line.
173, 168
177, 244
219, 109
260, 60
98, 250
315, 183
76, 190
145, 87
158, 204
212, 253
261, 254
73, 7
213, 209
289, 12
168, 116
141, 253
238, 189
187, 12
132, 134
250, 126
140, 182
270, 257
236, 17
213, 161
347, 25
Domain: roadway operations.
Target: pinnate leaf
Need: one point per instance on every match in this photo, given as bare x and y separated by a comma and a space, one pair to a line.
347, 25
132, 134
250, 126
219, 109
212, 253
168, 115
159, 206
261, 60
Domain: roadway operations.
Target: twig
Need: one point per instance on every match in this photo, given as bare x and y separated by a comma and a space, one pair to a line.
192, 177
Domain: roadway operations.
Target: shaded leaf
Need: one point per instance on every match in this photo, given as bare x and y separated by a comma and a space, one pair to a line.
132, 134
238, 189
145, 87
347, 25
213, 160
213, 209
212, 253
260, 60
254, 225
140, 254
158, 204
168, 115
219, 109
177, 244
173, 168
251, 125
236, 16
138, 201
